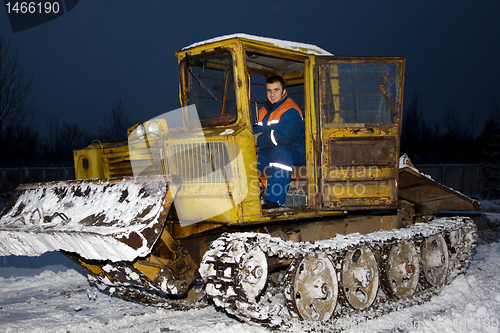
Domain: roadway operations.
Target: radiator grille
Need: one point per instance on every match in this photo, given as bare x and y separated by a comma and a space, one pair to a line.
200, 162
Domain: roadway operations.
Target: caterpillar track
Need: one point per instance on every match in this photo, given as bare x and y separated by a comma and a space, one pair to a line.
353, 276
195, 299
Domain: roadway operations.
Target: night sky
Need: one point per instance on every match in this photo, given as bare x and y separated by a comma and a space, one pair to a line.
83, 61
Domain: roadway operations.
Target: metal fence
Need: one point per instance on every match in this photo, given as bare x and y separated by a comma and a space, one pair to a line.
465, 178
10, 178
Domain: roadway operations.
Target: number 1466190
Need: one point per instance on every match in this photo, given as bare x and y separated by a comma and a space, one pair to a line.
32, 7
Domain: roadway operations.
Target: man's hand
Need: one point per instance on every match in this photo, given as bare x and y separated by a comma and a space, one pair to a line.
256, 136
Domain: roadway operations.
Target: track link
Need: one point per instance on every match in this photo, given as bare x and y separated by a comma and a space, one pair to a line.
195, 299
234, 270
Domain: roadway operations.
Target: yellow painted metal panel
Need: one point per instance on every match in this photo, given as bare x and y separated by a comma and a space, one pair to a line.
193, 209
360, 131
247, 172
357, 173
149, 271
88, 163
364, 195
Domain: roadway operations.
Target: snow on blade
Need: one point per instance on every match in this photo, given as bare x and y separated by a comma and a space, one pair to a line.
115, 219
404, 162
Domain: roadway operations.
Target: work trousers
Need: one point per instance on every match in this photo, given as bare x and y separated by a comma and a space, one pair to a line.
280, 161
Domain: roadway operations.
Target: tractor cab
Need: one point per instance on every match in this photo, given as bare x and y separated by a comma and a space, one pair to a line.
351, 107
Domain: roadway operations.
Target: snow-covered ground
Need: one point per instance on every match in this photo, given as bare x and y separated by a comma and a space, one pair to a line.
65, 302
58, 298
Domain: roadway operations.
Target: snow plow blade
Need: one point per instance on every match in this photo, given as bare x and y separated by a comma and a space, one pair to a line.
111, 219
429, 195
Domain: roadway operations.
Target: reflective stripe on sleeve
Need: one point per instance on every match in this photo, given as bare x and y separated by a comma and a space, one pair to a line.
281, 166
275, 121
273, 139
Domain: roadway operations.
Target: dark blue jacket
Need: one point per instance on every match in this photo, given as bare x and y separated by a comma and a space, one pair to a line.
281, 123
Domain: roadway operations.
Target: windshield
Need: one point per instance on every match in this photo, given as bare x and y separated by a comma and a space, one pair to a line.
357, 92
210, 87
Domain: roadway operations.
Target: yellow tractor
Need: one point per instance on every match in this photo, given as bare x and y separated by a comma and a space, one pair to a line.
174, 216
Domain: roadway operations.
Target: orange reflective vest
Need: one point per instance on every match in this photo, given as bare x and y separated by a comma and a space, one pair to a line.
276, 114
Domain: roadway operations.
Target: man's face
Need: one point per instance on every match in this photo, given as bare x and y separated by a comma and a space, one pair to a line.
274, 92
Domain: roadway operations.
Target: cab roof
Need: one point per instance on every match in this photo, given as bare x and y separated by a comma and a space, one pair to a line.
287, 45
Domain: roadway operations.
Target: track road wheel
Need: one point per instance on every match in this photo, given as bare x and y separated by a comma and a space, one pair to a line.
315, 288
252, 275
360, 278
402, 270
435, 261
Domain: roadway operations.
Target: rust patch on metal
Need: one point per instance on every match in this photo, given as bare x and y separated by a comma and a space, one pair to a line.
133, 240
19, 210
362, 151
143, 193
123, 196
77, 192
145, 212
93, 220
151, 235
60, 192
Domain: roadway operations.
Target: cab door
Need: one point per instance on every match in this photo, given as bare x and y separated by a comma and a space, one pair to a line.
359, 101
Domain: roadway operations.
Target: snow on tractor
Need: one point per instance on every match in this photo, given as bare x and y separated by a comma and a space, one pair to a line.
175, 215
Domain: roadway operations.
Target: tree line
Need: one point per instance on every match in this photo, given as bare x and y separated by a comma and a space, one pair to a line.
454, 140
21, 143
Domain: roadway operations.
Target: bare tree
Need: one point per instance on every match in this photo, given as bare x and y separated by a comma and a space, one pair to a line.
453, 125
71, 137
490, 142
471, 127
62, 139
413, 119
18, 136
15, 107
53, 128
116, 124
415, 131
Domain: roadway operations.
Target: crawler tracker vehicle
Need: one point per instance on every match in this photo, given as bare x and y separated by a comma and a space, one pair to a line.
174, 214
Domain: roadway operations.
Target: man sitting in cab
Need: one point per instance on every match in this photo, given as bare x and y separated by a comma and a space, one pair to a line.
280, 137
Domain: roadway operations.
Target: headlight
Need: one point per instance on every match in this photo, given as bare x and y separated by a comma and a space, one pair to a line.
140, 131
153, 128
